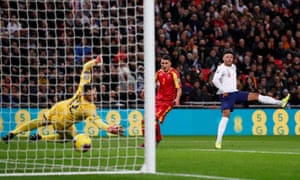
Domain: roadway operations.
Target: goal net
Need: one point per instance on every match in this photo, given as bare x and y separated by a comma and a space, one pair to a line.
44, 46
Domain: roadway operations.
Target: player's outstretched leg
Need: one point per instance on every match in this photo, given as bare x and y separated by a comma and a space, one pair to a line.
8, 137
285, 101
35, 137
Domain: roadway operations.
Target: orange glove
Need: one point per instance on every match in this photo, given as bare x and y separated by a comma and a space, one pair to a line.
116, 129
99, 59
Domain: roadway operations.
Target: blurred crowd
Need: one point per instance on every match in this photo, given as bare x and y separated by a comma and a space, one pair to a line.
265, 36
45, 44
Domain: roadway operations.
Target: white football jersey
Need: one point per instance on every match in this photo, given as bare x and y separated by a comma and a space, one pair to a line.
225, 79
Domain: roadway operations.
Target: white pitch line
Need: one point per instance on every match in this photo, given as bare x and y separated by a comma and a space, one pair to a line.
90, 170
246, 151
109, 172
198, 176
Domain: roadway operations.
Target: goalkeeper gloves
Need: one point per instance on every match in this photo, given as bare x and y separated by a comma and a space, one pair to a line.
116, 129
99, 59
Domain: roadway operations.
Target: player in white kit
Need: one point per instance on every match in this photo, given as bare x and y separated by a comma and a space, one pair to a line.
225, 79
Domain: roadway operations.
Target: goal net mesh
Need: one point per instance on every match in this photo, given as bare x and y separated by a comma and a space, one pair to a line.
44, 45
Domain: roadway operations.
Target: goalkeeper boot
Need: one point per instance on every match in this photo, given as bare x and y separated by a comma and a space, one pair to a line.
285, 101
8, 137
35, 137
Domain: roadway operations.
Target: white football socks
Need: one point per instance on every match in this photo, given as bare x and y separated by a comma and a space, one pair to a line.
221, 129
268, 100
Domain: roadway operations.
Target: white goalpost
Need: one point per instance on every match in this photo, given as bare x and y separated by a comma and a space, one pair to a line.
44, 46
150, 153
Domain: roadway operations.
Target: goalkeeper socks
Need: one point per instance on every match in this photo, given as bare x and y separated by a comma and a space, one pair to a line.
221, 129
268, 100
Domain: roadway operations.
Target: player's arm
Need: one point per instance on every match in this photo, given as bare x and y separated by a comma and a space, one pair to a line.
217, 79
114, 129
177, 83
178, 95
85, 76
95, 119
156, 79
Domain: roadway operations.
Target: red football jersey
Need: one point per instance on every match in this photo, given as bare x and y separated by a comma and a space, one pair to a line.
167, 84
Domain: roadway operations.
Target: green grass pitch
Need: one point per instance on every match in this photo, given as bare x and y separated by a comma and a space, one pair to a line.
194, 157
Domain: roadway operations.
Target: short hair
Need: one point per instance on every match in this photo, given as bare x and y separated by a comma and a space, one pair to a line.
87, 87
228, 51
166, 57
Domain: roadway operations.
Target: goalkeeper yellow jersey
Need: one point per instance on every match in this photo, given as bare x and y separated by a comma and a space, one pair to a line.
76, 109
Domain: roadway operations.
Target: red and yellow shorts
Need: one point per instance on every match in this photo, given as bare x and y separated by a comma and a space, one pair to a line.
162, 108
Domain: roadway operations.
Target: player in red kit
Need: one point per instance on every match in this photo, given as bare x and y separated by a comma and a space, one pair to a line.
168, 92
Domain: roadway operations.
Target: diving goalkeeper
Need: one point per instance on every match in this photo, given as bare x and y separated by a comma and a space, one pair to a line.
64, 114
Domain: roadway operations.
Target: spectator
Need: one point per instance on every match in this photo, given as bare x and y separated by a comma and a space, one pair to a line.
14, 26
295, 97
241, 7
125, 77
245, 66
194, 23
293, 49
3, 28
82, 50
250, 86
121, 56
104, 95
263, 88
140, 79
187, 87
24, 94
195, 94
211, 62
6, 98
260, 33
205, 94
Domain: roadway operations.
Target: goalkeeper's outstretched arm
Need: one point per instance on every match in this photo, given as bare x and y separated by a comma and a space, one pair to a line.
114, 129
85, 76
